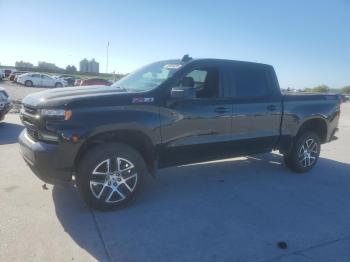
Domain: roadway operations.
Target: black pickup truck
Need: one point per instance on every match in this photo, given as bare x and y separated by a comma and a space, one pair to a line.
169, 113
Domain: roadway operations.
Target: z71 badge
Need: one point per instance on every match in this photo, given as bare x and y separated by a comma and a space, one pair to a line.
142, 99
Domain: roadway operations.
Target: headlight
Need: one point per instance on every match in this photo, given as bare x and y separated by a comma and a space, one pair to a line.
56, 113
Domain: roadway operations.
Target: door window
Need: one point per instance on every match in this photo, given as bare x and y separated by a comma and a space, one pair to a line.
205, 81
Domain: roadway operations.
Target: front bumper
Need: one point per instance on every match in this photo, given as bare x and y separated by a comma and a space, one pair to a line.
45, 161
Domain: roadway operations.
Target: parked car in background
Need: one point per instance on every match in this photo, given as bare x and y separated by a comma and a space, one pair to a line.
8, 72
37, 79
2, 74
17, 73
95, 81
77, 82
69, 79
5, 103
345, 98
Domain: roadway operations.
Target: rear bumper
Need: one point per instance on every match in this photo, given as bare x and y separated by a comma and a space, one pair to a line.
44, 160
333, 126
333, 136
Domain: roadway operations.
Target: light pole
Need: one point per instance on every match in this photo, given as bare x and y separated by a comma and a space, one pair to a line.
107, 57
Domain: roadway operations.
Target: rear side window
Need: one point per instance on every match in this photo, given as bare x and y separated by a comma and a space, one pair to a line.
250, 82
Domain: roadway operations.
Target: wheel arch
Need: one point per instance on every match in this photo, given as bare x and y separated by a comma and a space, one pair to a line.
137, 139
317, 125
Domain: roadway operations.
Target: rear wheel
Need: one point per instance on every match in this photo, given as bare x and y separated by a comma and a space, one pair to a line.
58, 85
109, 176
28, 83
305, 152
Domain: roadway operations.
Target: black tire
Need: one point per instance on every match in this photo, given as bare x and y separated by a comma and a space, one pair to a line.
302, 158
28, 83
94, 161
58, 85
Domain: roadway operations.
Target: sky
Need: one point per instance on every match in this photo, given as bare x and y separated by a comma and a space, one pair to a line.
307, 42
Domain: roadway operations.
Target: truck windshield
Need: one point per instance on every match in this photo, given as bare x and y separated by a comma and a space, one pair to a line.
149, 76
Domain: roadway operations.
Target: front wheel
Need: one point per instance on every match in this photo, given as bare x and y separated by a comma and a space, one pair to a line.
28, 83
58, 85
109, 176
305, 152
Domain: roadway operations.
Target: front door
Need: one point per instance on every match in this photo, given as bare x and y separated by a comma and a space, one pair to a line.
196, 129
46, 81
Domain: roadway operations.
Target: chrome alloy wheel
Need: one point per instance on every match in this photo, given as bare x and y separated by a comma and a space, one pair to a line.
308, 153
113, 180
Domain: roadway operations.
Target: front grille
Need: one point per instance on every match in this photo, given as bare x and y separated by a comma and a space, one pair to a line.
32, 133
30, 110
29, 120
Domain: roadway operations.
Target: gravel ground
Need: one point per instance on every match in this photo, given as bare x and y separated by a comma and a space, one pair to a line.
17, 91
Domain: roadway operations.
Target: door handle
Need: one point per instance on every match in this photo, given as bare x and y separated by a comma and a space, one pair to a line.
271, 107
222, 109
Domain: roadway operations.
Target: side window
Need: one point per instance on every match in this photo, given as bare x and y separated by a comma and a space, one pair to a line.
250, 82
35, 75
205, 82
198, 76
45, 76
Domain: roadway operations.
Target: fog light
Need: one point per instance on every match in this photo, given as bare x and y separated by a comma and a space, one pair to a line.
49, 137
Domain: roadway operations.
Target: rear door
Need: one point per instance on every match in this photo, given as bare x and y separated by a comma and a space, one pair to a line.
196, 129
257, 107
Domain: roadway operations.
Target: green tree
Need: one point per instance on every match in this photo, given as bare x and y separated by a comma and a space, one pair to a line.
318, 89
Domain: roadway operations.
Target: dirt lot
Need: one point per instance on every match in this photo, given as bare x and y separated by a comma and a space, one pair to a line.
232, 210
17, 91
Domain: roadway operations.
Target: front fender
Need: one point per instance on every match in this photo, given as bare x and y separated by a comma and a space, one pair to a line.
91, 122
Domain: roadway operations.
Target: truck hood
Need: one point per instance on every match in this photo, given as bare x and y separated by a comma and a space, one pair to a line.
61, 97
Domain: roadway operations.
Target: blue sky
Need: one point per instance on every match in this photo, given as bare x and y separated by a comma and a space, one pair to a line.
308, 42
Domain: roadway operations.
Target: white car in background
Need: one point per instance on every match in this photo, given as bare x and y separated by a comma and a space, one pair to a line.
2, 74
37, 79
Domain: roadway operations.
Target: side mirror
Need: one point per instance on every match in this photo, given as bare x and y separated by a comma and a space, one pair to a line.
182, 92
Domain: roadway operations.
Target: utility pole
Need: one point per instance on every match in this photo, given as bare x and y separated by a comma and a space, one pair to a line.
107, 57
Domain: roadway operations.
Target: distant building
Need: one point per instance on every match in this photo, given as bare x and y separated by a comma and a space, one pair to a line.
94, 67
24, 64
71, 68
89, 66
45, 65
84, 65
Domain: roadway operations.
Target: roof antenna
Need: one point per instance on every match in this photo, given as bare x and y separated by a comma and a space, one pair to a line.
186, 58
